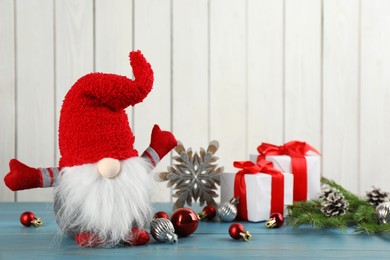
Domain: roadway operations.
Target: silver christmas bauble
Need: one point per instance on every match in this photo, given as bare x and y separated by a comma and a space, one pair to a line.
228, 211
383, 212
163, 231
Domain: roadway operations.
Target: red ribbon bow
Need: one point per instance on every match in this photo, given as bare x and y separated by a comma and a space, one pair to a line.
277, 185
297, 151
291, 148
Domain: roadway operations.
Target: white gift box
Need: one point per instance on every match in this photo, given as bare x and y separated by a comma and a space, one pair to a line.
313, 164
258, 191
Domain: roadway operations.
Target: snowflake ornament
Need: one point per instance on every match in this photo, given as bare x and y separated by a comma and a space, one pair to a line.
194, 176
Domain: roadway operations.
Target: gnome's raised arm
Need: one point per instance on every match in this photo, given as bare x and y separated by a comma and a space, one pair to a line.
161, 143
23, 177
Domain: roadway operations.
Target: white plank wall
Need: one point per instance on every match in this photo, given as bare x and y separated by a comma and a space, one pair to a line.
7, 92
114, 37
238, 71
340, 92
302, 75
265, 70
228, 80
374, 161
35, 111
190, 68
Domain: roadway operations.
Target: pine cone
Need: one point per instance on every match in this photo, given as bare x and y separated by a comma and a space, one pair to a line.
376, 196
327, 190
334, 205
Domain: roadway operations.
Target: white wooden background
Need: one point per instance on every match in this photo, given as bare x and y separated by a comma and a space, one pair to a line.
238, 71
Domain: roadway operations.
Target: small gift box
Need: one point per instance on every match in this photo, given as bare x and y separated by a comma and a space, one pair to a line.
298, 158
262, 190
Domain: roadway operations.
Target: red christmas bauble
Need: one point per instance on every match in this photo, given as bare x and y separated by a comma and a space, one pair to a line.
161, 214
275, 220
26, 218
208, 212
185, 221
237, 231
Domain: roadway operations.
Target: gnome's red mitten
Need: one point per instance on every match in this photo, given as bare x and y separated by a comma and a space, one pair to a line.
23, 177
161, 143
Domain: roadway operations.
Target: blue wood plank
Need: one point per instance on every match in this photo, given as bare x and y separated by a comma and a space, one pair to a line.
210, 240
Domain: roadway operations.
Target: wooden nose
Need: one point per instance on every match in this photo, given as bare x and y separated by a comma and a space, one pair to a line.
109, 167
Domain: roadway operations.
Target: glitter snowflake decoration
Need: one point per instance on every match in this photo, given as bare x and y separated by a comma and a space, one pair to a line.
194, 176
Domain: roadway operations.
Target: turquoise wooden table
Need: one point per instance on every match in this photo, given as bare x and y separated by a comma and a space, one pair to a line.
211, 239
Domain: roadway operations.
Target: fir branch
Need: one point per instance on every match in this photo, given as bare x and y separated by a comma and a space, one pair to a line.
361, 214
372, 228
299, 215
365, 214
305, 205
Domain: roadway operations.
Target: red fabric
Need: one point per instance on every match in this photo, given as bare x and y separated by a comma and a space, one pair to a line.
150, 158
93, 123
51, 177
138, 237
297, 151
22, 177
162, 141
86, 239
277, 186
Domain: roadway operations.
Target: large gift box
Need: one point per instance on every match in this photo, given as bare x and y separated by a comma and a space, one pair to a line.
260, 193
298, 158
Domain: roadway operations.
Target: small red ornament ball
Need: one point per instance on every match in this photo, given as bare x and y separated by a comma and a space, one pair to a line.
185, 221
27, 218
237, 231
161, 214
275, 220
208, 212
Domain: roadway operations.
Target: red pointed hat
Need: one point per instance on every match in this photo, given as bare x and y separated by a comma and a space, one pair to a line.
93, 122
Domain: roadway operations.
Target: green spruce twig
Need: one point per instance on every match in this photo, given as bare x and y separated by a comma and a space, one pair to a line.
361, 215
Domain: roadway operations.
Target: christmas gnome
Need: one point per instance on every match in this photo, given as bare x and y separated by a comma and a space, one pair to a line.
102, 187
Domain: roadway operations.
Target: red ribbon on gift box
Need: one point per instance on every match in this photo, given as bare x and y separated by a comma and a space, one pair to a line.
277, 185
297, 151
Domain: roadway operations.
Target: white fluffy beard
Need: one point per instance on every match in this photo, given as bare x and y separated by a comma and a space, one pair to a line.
108, 208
